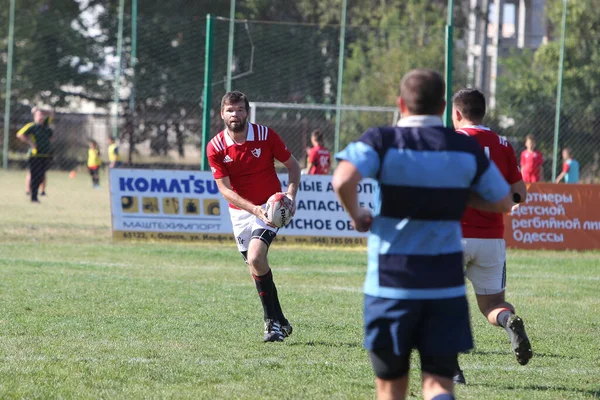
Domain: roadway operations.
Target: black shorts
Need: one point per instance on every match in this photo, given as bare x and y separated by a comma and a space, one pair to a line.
434, 327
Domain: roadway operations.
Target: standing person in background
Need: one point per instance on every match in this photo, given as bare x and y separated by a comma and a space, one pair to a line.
570, 169
532, 162
319, 158
483, 232
38, 136
242, 159
113, 153
94, 162
415, 295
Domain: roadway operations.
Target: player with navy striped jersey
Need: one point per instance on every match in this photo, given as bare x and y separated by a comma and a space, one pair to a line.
483, 232
415, 294
242, 159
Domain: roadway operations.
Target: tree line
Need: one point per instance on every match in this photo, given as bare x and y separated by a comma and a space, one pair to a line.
284, 52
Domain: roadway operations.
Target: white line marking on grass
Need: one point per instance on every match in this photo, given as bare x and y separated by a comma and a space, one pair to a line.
75, 263
555, 277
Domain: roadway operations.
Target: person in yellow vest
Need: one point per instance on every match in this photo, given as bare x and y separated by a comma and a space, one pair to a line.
113, 153
94, 162
38, 136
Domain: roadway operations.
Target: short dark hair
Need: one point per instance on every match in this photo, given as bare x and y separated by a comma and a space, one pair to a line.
423, 91
234, 97
318, 135
471, 103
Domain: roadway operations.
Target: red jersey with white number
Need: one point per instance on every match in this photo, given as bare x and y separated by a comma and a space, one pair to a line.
250, 166
531, 161
319, 158
483, 224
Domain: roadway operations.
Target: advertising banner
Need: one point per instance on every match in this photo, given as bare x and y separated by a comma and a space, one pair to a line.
556, 217
187, 206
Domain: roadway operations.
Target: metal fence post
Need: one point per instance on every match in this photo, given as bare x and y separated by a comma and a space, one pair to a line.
449, 50
11, 38
561, 66
118, 72
207, 97
338, 100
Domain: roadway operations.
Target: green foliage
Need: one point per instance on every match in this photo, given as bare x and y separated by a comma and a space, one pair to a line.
527, 86
50, 53
404, 35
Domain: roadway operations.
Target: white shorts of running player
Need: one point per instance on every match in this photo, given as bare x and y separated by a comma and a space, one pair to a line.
244, 224
485, 263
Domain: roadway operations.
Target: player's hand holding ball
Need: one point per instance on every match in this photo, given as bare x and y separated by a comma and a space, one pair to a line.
280, 209
261, 214
363, 220
293, 202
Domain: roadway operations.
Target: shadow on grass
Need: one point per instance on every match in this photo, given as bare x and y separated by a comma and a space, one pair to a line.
542, 388
312, 343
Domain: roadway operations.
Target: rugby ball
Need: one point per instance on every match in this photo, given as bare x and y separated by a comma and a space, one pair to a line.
279, 209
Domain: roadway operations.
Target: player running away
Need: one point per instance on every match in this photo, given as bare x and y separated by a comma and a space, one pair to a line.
242, 160
483, 232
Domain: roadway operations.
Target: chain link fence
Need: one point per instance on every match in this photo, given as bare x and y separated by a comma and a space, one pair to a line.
64, 61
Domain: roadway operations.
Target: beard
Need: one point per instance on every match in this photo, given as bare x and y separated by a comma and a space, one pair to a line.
237, 126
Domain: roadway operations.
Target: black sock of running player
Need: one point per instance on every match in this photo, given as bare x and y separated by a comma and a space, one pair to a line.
457, 365
264, 286
502, 318
278, 310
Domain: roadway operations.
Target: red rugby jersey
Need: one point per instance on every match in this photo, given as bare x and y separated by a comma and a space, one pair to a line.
531, 161
483, 224
320, 159
250, 166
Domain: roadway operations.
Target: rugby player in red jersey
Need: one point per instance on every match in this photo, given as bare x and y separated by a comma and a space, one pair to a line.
532, 161
319, 158
242, 159
483, 232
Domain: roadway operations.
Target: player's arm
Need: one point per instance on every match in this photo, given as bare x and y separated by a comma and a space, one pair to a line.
294, 172
514, 177
23, 134
281, 153
563, 172
345, 182
502, 206
519, 191
357, 161
224, 185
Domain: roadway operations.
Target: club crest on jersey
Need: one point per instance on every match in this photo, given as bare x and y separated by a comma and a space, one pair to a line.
256, 152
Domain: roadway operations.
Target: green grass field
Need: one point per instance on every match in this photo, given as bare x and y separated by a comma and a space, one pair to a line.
83, 317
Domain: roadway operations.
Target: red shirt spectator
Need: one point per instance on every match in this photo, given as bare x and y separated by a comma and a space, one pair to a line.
531, 162
319, 158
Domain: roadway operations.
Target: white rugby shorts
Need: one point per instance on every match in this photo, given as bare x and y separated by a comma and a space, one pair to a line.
244, 223
485, 263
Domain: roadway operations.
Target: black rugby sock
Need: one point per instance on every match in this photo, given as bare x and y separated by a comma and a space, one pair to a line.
278, 309
264, 286
503, 317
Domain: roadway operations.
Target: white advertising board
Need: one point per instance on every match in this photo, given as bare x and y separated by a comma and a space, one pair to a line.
187, 206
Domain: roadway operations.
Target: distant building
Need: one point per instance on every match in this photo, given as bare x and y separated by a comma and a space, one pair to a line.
519, 24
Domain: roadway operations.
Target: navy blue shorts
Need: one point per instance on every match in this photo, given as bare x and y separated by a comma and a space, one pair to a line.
433, 327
